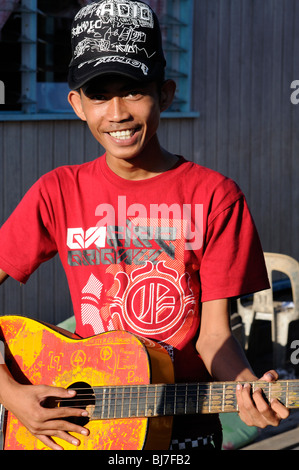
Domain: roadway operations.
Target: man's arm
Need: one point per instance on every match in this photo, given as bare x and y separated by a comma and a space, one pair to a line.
225, 361
26, 403
3, 276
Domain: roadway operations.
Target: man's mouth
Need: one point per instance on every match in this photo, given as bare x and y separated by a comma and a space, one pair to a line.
123, 135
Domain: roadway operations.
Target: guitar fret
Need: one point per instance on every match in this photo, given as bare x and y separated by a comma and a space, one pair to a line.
100, 405
97, 410
103, 403
112, 399
127, 400
169, 401
122, 403
142, 402
182, 398
115, 402
164, 406
107, 402
130, 400
160, 400
210, 397
192, 390
203, 398
146, 402
133, 401
180, 405
216, 397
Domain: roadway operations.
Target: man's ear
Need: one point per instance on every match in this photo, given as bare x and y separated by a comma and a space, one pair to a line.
167, 94
75, 101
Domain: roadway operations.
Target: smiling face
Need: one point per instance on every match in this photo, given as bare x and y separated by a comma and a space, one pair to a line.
123, 115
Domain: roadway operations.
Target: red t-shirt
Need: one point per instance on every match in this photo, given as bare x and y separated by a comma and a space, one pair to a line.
139, 255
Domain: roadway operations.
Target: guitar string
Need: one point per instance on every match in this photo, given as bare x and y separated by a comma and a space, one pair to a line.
181, 388
214, 385
149, 392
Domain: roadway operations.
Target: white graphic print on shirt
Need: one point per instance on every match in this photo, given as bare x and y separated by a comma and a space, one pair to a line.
150, 293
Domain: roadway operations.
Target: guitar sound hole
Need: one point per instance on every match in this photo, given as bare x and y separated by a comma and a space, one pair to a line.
84, 399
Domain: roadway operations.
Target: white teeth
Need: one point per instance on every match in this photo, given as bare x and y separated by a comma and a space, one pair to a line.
122, 135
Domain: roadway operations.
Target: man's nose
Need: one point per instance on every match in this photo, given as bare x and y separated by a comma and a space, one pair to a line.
117, 110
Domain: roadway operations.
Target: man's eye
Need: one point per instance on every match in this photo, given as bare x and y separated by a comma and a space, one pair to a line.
97, 97
134, 94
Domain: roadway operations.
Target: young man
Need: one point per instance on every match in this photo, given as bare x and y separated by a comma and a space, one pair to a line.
169, 242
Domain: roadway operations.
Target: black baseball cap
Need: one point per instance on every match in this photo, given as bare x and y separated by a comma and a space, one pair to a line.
116, 37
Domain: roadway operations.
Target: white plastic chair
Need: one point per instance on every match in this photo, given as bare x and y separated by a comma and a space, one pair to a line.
265, 308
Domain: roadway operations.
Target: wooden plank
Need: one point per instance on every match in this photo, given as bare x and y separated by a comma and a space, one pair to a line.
92, 149
76, 143
12, 163
245, 98
234, 162
223, 88
264, 160
45, 145
61, 140
211, 84
199, 81
277, 129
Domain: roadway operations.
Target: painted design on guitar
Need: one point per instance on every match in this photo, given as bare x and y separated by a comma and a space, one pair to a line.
37, 354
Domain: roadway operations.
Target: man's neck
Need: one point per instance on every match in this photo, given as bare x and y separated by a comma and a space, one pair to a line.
147, 165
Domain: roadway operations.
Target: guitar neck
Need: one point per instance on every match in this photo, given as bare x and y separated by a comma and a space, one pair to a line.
182, 399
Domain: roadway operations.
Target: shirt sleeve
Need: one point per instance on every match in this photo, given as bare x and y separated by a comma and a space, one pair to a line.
26, 237
233, 261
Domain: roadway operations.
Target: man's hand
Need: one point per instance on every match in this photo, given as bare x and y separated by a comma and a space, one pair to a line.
253, 408
26, 403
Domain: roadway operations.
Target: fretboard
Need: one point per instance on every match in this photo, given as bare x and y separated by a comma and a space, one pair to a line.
114, 402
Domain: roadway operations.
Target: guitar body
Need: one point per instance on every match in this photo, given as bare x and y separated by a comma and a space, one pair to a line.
39, 354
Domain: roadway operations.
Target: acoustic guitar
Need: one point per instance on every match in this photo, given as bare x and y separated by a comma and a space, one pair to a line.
126, 383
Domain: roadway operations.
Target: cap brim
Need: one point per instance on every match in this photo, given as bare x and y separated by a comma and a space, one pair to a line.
78, 77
